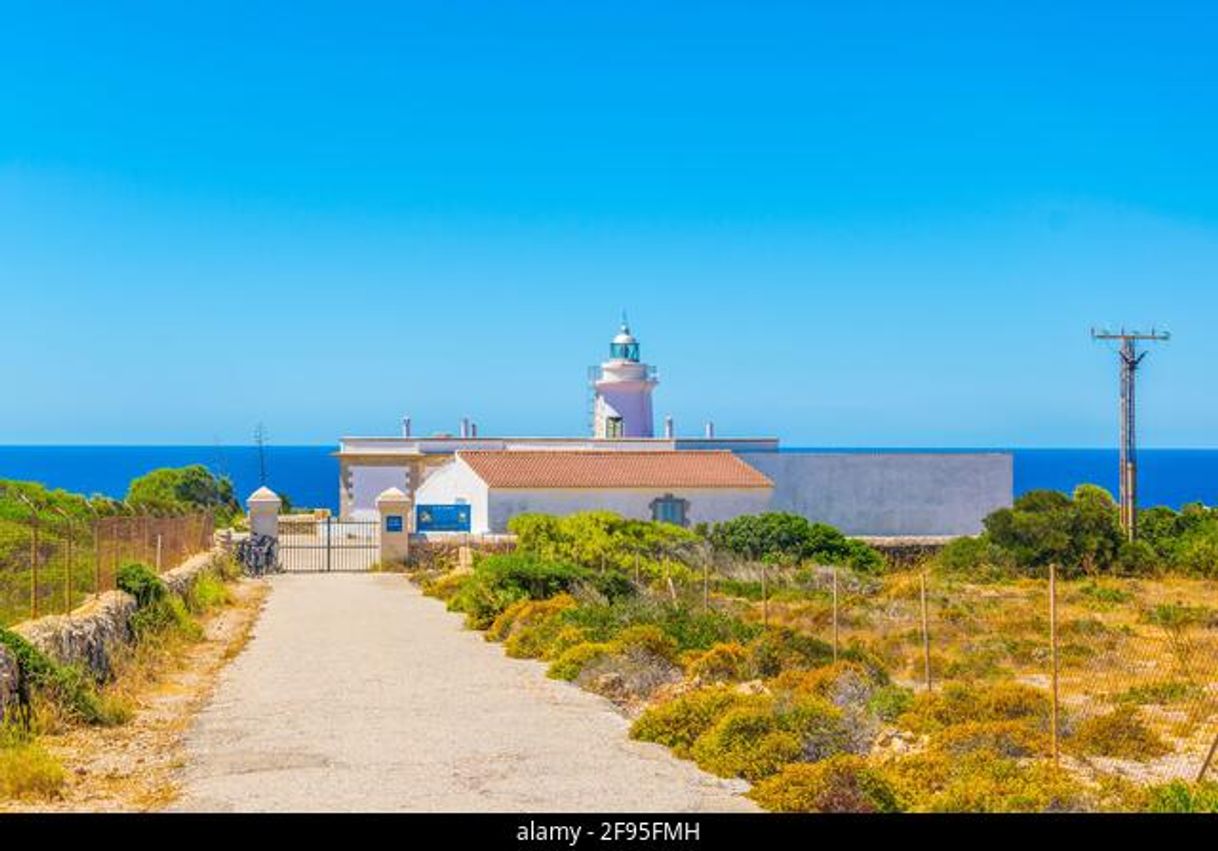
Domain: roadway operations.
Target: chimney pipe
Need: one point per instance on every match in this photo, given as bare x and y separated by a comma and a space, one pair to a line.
405, 426
668, 428
710, 429
473, 429
465, 427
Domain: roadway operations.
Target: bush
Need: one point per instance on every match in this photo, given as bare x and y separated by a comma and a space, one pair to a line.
573, 660
525, 614
677, 723
208, 592
498, 581
890, 702
1121, 734
840, 784
979, 782
790, 538
749, 742
690, 629
1000, 738
778, 649
957, 703
1181, 797
142, 583
629, 674
722, 663
648, 637
68, 688
28, 772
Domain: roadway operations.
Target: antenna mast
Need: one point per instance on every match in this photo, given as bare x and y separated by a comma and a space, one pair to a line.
1130, 360
260, 442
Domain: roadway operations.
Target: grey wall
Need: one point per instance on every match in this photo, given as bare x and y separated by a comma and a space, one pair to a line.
889, 493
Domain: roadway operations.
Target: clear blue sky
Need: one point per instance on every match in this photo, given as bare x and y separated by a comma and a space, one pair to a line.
844, 224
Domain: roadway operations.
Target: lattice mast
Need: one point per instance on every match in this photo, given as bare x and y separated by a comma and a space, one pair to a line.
1130, 359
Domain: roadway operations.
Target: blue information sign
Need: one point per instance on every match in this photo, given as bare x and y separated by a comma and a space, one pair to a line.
393, 523
442, 518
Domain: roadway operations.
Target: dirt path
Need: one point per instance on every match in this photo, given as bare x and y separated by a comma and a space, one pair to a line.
130, 767
358, 693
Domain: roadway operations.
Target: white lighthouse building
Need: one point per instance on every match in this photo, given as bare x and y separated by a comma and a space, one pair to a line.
622, 406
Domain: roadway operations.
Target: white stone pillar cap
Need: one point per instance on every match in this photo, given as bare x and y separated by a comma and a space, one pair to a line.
264, 496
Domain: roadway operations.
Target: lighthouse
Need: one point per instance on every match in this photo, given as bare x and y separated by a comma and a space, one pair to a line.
622, 406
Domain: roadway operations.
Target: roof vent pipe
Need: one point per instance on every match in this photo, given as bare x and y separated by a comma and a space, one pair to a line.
710, 429
473, 429
668, 428
465, 427
405, 426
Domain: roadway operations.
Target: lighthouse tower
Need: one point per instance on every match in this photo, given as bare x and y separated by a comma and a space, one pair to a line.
622, 407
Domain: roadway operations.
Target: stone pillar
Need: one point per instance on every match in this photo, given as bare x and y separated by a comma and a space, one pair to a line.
393, 505
264, 505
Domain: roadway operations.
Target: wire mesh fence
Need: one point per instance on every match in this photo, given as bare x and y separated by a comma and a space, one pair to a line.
1127, 668
50, 565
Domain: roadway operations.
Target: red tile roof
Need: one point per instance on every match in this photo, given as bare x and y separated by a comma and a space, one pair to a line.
613, 469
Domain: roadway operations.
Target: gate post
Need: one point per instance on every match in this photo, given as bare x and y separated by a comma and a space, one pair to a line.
264, 505
393, 505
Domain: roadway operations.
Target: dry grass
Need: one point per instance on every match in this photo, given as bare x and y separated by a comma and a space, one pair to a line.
131, 767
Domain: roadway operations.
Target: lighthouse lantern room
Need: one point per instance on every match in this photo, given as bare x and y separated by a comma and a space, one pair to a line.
622, 406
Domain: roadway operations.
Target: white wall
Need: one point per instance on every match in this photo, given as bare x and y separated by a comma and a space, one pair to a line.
889, 493
706, 505
453, 483
367, 483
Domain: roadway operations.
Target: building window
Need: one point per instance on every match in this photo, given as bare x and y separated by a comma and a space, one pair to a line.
670, 509
613, 427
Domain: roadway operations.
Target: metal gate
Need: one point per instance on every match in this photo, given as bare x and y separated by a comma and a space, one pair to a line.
327, 545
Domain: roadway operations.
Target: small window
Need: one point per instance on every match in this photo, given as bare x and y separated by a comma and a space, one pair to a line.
670, 509
613, 427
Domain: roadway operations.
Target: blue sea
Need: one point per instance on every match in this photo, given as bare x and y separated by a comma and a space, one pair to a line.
308, 475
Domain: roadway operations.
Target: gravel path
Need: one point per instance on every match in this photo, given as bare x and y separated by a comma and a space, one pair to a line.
358, 693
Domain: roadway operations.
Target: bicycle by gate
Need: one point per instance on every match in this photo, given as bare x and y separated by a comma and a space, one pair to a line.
328, 545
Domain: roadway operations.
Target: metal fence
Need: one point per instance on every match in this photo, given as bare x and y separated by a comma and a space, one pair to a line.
51, 565
1128, 667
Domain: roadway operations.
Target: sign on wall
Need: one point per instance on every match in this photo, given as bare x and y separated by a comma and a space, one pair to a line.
442, 518
393, 523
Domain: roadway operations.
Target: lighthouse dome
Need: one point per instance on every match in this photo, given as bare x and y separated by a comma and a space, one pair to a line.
624, 345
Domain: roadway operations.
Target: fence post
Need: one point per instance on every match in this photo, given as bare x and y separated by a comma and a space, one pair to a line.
97, 555
925, 633
158, 552
34, 566
1053, 656
705, 583
835, 613
67, 573
765, 597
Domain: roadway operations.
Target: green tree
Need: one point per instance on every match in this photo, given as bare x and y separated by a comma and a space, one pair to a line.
177, 490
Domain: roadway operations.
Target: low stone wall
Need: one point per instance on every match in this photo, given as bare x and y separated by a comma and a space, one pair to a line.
89, 635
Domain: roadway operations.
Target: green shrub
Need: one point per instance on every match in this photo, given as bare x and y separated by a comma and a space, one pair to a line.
142, 583
69, 688
890, 702
748, 741
206, 593
28, 772
840, 784
722, 663
648, 637
690, 629
677, 723
1181, 797
957, 703
979, 782
573, 660
1001, 738
777, 649
1166, 691
1121, 734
